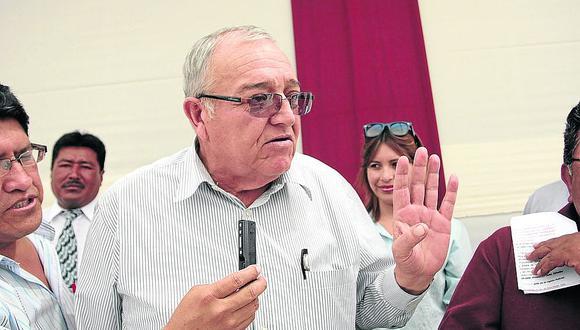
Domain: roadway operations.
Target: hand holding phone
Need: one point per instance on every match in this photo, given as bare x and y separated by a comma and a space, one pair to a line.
246, 243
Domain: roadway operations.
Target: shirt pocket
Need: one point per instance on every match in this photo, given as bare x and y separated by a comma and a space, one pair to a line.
328, 279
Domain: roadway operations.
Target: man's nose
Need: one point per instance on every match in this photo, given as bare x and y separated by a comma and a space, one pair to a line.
74, 171
285, 115
17, 179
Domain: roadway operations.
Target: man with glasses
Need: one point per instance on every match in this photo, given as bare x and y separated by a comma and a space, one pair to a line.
32, 293
172, 226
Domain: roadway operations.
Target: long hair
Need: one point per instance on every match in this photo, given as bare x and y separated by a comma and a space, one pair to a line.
403, 145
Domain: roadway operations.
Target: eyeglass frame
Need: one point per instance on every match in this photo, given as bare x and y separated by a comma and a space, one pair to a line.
42, 150
411, 131
246, 100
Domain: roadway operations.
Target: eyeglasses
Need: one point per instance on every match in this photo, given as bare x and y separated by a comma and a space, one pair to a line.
26, 159
397, 128
268, 104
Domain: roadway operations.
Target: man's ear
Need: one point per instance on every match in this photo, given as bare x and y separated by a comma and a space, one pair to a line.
566, 176
193, 109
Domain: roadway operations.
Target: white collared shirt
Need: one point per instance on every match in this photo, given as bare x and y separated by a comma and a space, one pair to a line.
168, 226
54, 216
26, 302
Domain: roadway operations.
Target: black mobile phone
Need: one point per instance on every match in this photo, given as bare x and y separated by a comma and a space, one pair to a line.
246, 243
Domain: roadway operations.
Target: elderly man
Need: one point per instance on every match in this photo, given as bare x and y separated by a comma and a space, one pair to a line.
77, 168
488, 296
32, 293
172, 226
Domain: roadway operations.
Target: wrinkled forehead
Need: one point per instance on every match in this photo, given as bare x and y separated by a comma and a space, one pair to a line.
234, 58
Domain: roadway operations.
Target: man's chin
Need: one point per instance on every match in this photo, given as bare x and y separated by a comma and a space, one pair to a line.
28, 226
280, 165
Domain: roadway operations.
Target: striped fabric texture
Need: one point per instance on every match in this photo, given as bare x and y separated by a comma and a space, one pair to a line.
25, 302
167, 227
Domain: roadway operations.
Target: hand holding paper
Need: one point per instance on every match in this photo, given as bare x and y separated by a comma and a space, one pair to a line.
529, 230
556, 252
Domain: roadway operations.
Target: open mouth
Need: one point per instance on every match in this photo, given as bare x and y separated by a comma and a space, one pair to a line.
280, 139
23, 203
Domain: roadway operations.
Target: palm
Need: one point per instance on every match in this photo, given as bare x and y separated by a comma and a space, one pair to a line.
427, 256
415, 202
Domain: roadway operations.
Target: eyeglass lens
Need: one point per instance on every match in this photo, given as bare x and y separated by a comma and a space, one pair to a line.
27, 158
399, 129
266, 105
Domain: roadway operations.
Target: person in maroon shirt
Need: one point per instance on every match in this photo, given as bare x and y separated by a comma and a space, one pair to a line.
487, 297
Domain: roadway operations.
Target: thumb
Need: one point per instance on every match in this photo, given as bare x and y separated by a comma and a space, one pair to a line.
235, 281
409, 237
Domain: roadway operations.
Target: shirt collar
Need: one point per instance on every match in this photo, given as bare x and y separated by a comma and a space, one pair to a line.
192, 173
55, 210
382, 231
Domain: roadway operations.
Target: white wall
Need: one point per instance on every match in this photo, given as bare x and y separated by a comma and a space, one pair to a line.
504, 75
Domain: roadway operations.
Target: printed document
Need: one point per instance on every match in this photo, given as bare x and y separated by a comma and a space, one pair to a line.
530, 229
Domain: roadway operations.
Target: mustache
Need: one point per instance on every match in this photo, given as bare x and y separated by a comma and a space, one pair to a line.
73, 183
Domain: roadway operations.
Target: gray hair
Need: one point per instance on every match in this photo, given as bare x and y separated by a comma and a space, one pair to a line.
198, 60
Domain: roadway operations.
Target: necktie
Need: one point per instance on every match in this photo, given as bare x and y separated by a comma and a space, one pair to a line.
66, 249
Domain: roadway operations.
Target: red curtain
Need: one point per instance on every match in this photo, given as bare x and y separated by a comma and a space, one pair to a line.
365, 61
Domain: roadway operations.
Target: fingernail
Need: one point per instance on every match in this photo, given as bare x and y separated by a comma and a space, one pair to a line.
259, 269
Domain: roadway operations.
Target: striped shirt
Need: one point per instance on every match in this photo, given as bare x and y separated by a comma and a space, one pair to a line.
25, 302
168, 226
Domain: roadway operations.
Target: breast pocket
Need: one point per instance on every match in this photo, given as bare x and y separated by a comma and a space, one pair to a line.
331, 278
331, 293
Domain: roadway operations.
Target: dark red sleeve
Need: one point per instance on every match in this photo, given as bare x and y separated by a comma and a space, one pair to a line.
477, 301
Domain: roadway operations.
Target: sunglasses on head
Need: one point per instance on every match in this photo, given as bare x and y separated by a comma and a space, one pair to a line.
396, 128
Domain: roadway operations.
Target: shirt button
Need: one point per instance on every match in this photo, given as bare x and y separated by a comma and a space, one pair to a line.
247, 214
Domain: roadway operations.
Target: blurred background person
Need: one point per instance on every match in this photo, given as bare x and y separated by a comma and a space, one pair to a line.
384, 144
77, 168
488, 295
548, 198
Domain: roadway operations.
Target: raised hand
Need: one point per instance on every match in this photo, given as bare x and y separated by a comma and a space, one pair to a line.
230, 303
556, 252
421, 235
